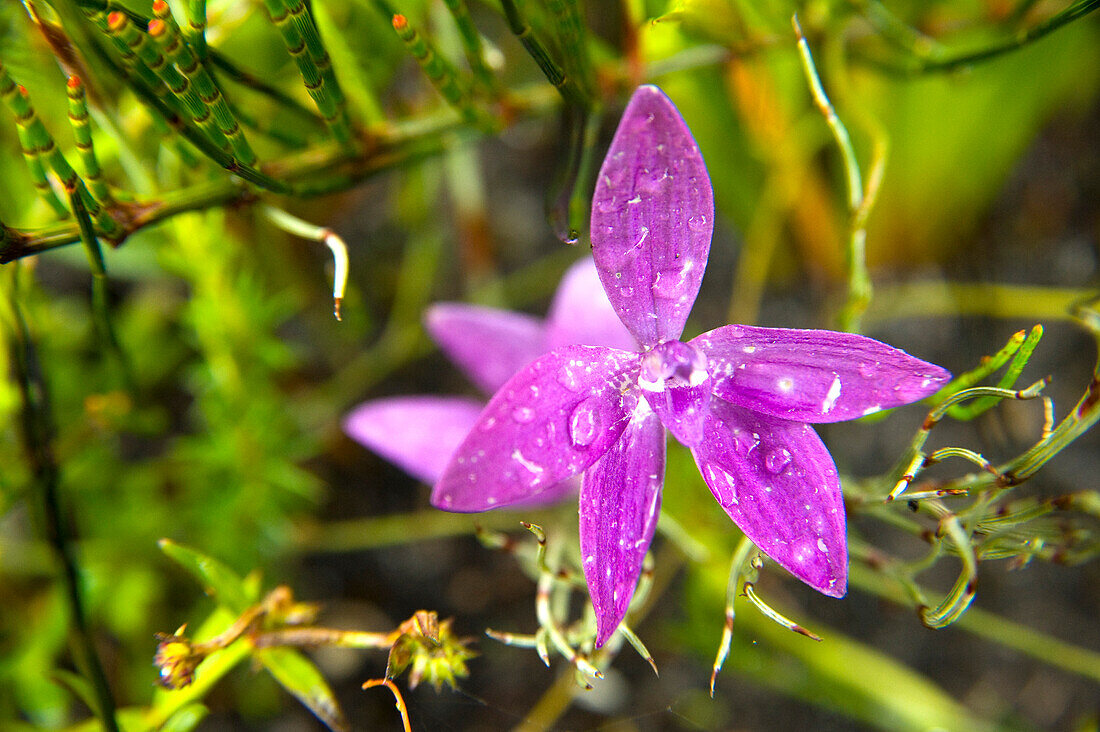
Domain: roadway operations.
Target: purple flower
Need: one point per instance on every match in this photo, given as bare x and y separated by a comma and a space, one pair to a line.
739, 397
420, 433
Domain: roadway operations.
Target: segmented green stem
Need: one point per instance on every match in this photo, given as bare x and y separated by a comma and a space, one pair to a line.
440, 72
550, 68
35, 136
574, 49
166, 33
471, 42
150, 54
289, 27
82, 132
129, 58
30, 152
196, 25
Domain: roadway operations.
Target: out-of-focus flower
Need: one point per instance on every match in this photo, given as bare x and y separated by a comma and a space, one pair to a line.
739, 397
420, 433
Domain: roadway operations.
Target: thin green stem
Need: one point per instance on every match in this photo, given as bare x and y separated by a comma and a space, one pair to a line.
471, 43
443, 76
78, 116
38, 431
166, 33
859, 280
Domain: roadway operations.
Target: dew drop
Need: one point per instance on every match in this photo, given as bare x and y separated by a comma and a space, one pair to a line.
567, 377
776, 461
523, 415
722, 483
698, 224
868, 370
746, 443
584, 423
626, 291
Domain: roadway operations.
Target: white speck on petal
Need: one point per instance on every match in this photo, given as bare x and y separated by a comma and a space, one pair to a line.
832, 396
821, 546
785, 384
872, 410
749, 349
533, 467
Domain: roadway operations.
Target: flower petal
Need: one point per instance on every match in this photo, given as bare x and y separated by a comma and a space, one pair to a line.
417, 433
778, 483
489, 345
676, 384
813, 375
652, 218
619, 504
553, 419
581, 314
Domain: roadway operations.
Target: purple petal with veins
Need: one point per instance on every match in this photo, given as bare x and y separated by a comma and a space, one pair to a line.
619, 504
652, 218
675, 382
417, 433
813, 375
582, 315
553, 419
778, 483
489, 345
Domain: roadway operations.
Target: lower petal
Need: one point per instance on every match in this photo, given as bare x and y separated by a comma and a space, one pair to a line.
778, 483
619, 504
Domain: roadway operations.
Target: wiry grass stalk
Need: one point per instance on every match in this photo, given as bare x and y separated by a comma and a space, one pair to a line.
442, 75
471, 43
180, 87
30, 150
38, 138
166, 33
82, 132
298, 48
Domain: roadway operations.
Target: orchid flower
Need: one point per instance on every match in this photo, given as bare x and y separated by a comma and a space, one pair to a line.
420, 433
738, 397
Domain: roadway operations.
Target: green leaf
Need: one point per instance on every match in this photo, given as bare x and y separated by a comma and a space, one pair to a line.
186, 719
301, 677
219, 581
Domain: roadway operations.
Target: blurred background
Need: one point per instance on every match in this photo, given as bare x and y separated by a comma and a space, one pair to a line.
195, 391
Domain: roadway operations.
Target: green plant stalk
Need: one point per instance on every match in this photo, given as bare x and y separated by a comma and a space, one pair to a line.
129, 59
557, 77
196, 25
357, 85
443, 76
38, 174
178, 84
1007, 381
30, 151
471, 43
314, 82
38, 137
397, 143
170, 40
573, 42
307, 29
37, 431
991, 627
82, 132
941, 63
859, 280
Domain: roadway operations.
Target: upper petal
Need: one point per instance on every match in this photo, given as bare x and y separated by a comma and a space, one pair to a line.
488, 344
553, 419
417, 433
581, 314
652, 218
619, 504
778, 483
813, 375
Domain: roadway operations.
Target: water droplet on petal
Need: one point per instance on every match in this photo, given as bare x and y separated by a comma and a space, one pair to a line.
568, 377
777, 460
868, 370
746, 442
523, 415
626, 291
585, 423
721, 483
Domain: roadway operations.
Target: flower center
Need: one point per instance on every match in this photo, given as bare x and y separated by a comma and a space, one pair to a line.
676, 384
672, 364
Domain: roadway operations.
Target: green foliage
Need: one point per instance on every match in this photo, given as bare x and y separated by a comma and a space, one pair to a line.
183, 377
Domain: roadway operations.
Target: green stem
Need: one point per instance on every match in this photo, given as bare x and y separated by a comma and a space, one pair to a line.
38, 430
